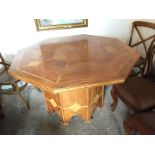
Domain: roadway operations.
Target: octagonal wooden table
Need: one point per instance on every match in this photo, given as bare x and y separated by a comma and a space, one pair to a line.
72, 71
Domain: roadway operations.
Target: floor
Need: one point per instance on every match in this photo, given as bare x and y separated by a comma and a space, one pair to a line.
37, 121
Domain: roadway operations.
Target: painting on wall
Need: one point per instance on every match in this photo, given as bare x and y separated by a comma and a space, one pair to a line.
49, 24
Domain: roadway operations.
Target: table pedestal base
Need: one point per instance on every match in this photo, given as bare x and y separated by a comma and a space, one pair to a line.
80, 102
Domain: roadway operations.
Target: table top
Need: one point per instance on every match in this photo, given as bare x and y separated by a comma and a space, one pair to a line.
65, 63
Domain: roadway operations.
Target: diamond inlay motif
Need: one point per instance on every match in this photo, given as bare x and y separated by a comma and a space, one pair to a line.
34, 63
96, 99
74, 62
75, 107
53, 103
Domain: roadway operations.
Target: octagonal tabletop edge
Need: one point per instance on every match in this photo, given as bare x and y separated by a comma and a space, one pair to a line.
66, 63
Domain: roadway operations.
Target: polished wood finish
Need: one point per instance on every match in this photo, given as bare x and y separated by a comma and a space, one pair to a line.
149, 68
140, 123
80, 102
74, 66
74, 62
137, 92
138, 29
137, 26
1, 110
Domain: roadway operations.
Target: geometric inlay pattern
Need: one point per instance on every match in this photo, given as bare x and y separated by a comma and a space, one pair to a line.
53, 103
34, 63
72, 62
75, 107
96, 99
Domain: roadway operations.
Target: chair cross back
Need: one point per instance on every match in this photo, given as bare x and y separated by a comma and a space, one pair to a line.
137, 92
136, 27
148, 67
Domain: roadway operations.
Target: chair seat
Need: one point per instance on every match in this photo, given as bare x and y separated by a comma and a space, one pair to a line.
138, 67
140, 61
4, 77
138, 92
143, 122
9, 87
152, 73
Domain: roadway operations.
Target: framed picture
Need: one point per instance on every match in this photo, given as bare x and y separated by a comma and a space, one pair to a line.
49, 24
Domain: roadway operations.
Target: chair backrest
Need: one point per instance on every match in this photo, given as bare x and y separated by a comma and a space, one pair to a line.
150, 60
137, 27
2, 62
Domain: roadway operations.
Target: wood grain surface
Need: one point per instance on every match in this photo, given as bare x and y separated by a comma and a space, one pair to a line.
72, 71
66, 63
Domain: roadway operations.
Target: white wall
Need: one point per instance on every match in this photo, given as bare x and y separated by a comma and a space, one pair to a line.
16, 34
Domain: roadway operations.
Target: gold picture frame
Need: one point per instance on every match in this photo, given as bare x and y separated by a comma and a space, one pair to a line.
54, 24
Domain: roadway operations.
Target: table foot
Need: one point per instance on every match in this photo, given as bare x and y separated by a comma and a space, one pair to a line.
87, 121
65, 122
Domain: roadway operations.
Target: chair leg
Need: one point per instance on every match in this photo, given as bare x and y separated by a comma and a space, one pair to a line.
21, 97
114, 96
1, 111
38, 89
128, 128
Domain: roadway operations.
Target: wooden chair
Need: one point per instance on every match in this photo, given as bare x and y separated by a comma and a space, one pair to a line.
140, 123
1, 112
137, 28
149, 73
137, 92
9, 85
